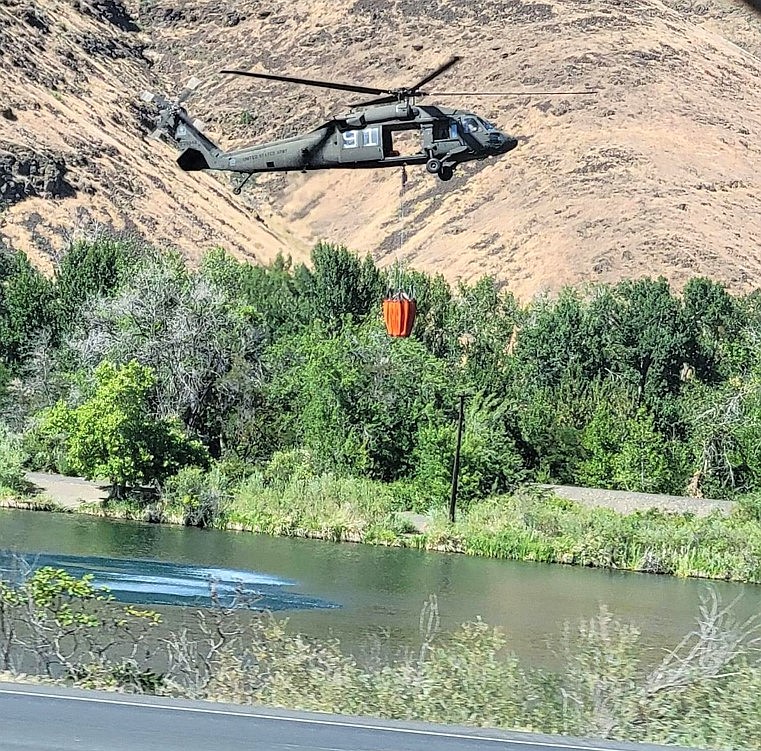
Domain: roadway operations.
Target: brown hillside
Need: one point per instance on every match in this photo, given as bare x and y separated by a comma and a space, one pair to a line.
659, 174
72, 153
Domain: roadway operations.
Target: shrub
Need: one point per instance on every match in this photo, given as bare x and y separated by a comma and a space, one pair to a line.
199, 498
12, 457
749, 506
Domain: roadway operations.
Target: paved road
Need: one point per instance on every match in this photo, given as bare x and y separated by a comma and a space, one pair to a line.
43, 718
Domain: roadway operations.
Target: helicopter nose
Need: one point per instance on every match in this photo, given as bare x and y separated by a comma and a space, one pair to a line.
510, 142
501, 143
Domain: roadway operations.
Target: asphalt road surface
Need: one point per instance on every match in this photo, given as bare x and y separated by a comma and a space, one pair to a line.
45, 718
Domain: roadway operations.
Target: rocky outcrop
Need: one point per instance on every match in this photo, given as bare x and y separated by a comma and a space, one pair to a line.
25, 174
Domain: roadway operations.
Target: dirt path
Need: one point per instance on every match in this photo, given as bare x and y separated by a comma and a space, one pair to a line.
69, 492
623, 501
626, 502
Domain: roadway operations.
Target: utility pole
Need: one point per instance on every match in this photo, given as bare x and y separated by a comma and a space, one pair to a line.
456, 467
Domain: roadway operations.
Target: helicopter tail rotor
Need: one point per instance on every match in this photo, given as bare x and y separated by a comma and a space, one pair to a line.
173, 121
171, 112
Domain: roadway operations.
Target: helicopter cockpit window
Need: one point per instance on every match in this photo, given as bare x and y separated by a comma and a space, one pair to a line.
470, 125
487, 125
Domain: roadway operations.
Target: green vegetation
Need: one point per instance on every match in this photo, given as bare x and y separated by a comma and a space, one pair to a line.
113, 435
270, 398
12, 458
706, 692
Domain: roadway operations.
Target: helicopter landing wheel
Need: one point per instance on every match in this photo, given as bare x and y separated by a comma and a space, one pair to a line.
433, 166
446, 173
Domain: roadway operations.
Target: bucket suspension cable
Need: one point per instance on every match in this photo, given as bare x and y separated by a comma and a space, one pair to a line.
397, 278
399, 307
401, 211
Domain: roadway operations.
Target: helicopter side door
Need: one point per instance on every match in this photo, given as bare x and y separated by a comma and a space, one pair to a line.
363, 145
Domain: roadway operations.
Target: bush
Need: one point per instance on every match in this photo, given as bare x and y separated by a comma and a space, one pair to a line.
46, 446
12, 458
335, 508
199, 498
288, 466
749, 507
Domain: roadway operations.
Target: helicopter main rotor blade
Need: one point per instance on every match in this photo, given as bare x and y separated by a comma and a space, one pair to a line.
506, 93
308, 82
442, 69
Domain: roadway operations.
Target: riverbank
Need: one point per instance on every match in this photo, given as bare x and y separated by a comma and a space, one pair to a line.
534, 524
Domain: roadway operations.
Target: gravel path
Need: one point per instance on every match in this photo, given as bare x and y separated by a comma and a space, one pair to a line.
626, 502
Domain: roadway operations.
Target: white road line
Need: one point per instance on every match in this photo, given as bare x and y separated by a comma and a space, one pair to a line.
305, 721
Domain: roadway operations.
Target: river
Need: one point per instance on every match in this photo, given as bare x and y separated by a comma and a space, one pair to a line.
356, 591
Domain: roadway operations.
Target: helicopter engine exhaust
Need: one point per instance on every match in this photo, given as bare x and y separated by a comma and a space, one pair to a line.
192, 160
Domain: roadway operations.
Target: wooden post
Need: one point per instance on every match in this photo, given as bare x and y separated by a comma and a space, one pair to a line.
456, 467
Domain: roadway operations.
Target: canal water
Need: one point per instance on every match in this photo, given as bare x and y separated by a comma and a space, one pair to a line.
357, 592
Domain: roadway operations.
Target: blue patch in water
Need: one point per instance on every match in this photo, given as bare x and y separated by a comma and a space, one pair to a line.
148, 582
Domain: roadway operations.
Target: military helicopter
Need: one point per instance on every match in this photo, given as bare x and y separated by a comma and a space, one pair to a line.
364, 138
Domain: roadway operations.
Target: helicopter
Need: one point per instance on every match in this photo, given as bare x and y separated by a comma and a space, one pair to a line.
364, 138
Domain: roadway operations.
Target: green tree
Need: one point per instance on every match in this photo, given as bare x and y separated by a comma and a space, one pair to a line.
716, 321
194, 336
90, 269
355, 399
113, 434
485, 321
275, 297
489, 461
561, 335
26, 306
724, 440
547, 425
341, 285
644, 462
648, 341
602, 439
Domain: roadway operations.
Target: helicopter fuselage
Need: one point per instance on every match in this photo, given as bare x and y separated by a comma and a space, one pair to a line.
441, 139
371, 135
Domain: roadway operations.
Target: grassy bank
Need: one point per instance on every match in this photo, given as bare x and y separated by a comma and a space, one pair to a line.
21, 499
530, 525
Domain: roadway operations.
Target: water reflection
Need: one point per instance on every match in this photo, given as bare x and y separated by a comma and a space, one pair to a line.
149, 582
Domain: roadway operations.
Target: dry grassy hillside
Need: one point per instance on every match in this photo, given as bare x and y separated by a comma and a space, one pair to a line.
72, 153
658, 174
